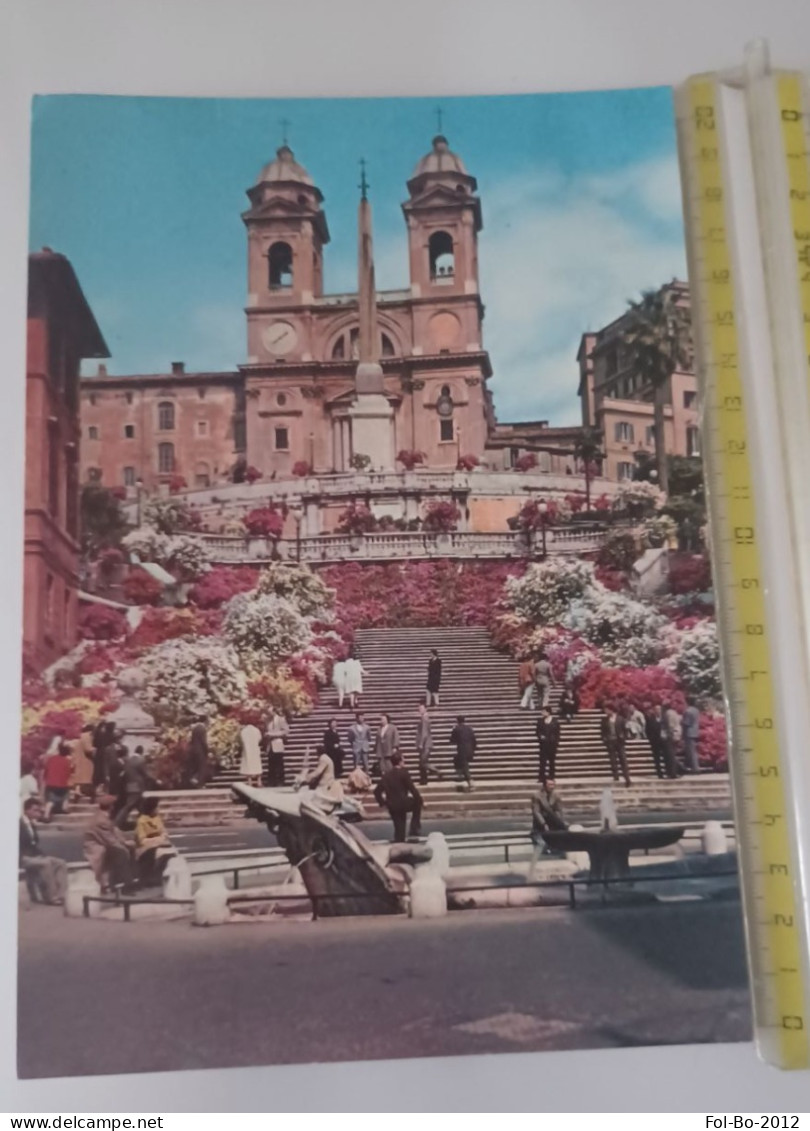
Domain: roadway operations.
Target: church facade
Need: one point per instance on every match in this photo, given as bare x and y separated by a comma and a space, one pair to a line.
288, 407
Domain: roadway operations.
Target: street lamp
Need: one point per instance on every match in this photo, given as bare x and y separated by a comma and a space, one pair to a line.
298, 515
542, 510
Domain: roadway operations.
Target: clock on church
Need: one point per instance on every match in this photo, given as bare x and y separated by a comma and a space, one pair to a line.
279, 338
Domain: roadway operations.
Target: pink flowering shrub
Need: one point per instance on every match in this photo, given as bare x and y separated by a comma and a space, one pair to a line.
712, 744
264, 522
467, 463
689, 573
100, 622
441, 517
526, 462
220, 584
177, 483
252, 474
140, 588
640, 686
301, 468
410, 459
356, 519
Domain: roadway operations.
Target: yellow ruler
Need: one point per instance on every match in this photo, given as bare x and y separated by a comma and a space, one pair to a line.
757, 568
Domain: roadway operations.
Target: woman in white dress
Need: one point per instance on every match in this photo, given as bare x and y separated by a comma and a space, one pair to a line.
277, 731
339, 680
354, 680
251, 765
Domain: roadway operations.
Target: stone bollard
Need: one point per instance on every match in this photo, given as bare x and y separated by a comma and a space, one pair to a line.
211, 902
440, 858
713, 839
81, 884
428, 894
177, 879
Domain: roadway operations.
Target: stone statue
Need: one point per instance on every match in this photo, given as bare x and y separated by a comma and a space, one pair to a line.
136, 725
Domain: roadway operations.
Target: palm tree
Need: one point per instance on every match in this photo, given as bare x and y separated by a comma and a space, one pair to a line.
658, 342
588, 450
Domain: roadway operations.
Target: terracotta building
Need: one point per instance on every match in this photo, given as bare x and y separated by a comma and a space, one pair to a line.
615, 401
290, 402
61, 331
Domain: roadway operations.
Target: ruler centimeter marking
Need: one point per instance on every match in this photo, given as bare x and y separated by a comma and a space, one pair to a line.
763, 834
797, 158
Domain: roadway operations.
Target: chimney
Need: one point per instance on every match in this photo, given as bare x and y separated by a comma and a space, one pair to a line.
178, 367
102, 370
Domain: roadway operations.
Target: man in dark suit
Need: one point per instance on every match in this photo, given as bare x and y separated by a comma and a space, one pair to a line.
45, 876
614, 737
462, 736
397, 793
548, 740
653, 724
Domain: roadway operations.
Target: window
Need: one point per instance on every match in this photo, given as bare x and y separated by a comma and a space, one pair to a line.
349, 346
72, 492
624, 432
442, 260
281, 400
94, 475
92, 432
611, 362
166, 416
202, 427
692, 441
129, 431
625, 470
445, 390
339, 349
129, 476
650, 434
386, 346
280, 267
53, 471
282, 439
165, 458
202, 475
544, 462
239, 433
446, 431
689, 398
129, 398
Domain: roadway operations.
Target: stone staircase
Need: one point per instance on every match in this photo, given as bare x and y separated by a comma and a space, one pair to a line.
477, 682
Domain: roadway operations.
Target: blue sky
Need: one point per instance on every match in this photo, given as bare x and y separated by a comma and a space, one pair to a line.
580, 196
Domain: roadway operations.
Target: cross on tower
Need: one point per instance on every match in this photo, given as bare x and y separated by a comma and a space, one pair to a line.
364, 185
285, 126
438, 112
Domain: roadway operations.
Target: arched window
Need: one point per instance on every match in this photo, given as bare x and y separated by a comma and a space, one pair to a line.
280, 265
339, 349
165, 459
348, 346
166, 416
386, 346
442, 262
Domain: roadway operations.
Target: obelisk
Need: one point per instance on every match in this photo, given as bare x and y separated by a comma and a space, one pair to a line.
371, 415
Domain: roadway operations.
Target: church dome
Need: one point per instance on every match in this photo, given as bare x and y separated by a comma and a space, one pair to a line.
284, 168
441, 159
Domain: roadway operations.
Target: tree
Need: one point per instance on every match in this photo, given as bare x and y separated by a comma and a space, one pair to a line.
102, 520
588, 450
658, 341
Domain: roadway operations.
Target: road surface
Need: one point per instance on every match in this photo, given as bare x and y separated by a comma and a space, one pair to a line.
104, 997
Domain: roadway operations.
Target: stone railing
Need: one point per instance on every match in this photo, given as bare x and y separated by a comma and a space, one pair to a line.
402, 545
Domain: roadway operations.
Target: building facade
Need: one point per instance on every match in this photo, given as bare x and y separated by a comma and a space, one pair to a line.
616, 402
290, 402
61, 332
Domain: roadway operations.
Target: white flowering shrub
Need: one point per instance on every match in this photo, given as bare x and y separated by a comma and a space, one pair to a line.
183, 555
546, 589
638, 498
261, 623
300, 586
166, 514
626, 632
190, 677
697, 660
658, 530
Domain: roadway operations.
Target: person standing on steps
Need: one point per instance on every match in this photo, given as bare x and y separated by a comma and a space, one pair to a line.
569, 704
424, 745
690, 728
396, 792
386, 746
434, 678
526, 674
275, 735
198, 754
360, 742
354, 680
614, 738
339, 681
653, 728
333, 747
548, 741
250, 766
462, 736
671, 734
543, 679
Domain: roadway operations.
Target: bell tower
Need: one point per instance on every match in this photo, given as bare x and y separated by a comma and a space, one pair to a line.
286, 230
443, 215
